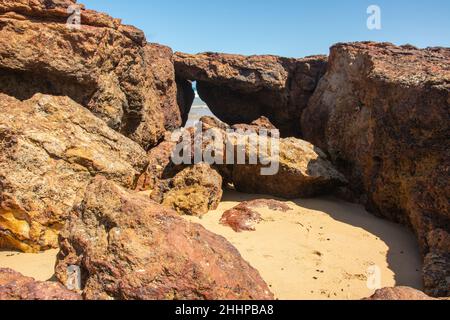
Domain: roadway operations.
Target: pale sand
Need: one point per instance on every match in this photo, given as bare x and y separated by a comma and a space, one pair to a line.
40, 266
292, 252
322, 249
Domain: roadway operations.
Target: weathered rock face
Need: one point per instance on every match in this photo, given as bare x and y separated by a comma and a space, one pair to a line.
160, 168
287, 168
129, 247
400, 293
194, 191
14, 286
175, 96
188, 189
245, 217
304, 171
105, 66
241, 89
51, 147
211, 122
436, 270
256, 126
382, 112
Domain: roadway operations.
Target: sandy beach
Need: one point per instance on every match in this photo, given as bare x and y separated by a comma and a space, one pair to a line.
39, 266
321, 249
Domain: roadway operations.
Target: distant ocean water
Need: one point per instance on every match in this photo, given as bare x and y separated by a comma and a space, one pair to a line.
199, 109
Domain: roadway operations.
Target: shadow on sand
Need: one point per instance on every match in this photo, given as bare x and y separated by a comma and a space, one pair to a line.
403, 255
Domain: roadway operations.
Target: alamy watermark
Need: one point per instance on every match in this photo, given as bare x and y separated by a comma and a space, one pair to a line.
374, 278
374, 19
230, 147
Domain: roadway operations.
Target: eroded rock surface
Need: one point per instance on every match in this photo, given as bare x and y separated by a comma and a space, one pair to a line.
260, 125
303, 171
175, 96
160, 168
212, 122
194, 191
104, 65
51, 148
400, 293
129, 247
383, 114
436, 270
188, 189
240, 89
14, 286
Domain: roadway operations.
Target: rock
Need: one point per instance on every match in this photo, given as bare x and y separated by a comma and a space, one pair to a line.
240, 89
51, 149
159, 169
436, 270
259, 125
292, 168
436, 273
400, 293
14, 286
176, 96
303, 171
194, 191
188, 189
104, 65
382, 113
244, 217
211, 122
128, 247
241, 218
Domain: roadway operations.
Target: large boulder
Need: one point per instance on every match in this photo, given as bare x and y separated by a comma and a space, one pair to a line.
194, 191
14, 286
103, 65
299, 170
383, 114
399, 293
175, 96
128, 247
160, 168
253, 161
188, 189
51, 148
240, 89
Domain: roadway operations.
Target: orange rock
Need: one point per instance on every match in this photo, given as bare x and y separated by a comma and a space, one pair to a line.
240, 89
51, 149
128, 247
105, 66
14, 286
399, 293
382, 113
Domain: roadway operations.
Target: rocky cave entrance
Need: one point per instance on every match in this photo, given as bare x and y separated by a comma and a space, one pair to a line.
198, 110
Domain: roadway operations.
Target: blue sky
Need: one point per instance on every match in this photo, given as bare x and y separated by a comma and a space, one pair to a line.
292, 28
